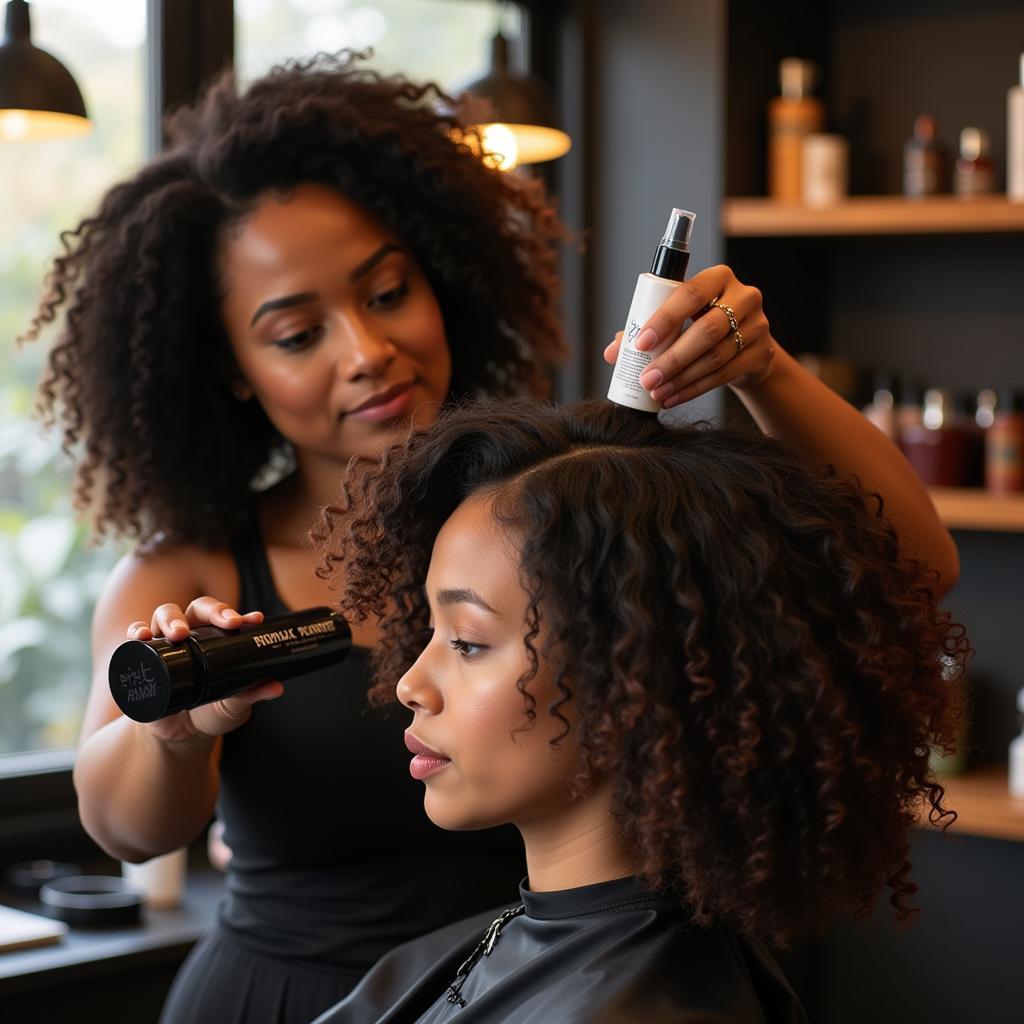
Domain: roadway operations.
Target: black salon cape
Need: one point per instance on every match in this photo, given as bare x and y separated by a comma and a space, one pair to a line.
602, 954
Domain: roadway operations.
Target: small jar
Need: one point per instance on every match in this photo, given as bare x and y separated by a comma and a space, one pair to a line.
825, 169
942, 448
1004, 445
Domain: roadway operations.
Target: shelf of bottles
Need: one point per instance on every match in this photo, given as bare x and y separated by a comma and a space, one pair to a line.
752, 217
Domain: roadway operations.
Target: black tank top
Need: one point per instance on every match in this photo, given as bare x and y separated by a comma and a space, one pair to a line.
334, 860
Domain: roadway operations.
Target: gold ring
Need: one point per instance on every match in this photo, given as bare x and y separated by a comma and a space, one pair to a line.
740, 343
729, 312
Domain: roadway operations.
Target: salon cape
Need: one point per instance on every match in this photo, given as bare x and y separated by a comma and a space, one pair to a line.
601, 954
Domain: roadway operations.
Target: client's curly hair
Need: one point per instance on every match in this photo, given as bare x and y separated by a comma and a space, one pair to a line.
138, 375
754, 661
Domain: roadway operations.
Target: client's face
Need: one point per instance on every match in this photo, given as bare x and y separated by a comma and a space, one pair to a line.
463, 692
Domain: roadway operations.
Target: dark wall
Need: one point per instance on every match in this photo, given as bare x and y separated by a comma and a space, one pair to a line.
655, 142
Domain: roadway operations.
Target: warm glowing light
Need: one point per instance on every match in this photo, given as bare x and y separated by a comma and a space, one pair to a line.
509, 145
500, 141
30, 125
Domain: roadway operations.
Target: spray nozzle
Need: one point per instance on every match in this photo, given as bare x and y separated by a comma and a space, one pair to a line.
680, 227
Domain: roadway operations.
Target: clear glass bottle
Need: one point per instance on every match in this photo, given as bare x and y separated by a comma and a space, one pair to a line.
974, 173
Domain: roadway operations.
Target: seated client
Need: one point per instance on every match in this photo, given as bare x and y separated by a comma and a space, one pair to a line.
701, 678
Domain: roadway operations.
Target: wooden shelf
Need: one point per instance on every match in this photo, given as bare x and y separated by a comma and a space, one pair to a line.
983, 804
872, 215
971, 508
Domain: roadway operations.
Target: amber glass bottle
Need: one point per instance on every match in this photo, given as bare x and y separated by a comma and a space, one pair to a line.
792, 116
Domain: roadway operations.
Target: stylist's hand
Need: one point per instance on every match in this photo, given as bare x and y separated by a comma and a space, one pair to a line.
707, 354
221, 716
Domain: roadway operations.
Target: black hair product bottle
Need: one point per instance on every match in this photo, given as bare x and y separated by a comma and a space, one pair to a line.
151, 679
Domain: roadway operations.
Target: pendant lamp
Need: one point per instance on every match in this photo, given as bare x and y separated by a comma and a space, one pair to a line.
524, 127
38, 97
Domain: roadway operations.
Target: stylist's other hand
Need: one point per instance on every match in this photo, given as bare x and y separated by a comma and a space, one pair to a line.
707, 354
221, 716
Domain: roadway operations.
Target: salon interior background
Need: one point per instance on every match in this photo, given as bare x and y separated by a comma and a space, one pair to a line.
665, 102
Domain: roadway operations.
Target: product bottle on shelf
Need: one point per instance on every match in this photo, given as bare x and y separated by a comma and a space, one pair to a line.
825, 170
941, 448
881, 410
974, 174
985, 408
924, 161
792, 116
910, 410
1015, 138
1004, 445
1017, 753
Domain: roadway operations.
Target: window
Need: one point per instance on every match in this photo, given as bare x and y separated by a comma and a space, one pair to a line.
447, 41
49, 575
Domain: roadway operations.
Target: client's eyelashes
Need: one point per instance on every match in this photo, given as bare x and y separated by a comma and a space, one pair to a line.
467, 650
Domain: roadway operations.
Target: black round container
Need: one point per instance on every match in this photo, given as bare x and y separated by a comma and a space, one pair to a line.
151, 679
98, 900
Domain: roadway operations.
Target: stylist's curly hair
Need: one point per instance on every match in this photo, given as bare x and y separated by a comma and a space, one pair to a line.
754, 661
139, 377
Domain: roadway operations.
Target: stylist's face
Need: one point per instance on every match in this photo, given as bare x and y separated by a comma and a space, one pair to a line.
334, 328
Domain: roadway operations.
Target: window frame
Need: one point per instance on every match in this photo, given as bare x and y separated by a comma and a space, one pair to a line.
188, 42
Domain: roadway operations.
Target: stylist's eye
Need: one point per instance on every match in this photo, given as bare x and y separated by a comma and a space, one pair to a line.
389, 299
467, 650
296, 342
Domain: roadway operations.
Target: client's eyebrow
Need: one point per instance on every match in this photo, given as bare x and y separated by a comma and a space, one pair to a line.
463, 595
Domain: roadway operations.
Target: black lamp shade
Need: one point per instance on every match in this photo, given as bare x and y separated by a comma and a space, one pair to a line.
38, 96
520, 104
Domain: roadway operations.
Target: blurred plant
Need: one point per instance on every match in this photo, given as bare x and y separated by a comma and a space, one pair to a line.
49, 576
49, 581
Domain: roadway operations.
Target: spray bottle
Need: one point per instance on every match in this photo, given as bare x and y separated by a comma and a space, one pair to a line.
652, 289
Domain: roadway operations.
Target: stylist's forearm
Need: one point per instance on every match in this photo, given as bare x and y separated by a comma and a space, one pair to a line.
139, 796
793, 403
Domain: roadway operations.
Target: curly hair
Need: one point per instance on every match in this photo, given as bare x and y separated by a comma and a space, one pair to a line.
139, 377
753, 660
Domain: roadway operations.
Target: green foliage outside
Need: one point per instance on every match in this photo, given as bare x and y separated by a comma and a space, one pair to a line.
49, 575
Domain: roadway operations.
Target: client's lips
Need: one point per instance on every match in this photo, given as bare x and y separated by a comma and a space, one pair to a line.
426, 761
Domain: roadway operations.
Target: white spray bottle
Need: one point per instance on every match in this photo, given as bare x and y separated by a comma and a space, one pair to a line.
667, 270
